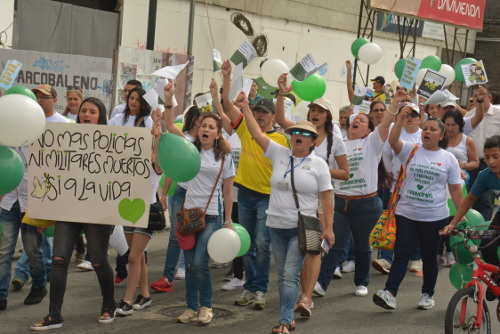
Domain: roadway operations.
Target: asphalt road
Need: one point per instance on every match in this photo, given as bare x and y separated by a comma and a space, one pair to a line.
338, 312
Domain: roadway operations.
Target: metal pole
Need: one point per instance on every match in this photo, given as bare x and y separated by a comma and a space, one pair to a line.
191, 28
150, 42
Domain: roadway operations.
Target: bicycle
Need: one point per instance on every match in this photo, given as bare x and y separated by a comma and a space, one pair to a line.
467, 310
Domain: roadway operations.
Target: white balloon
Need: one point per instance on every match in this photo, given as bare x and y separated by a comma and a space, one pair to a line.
223, 245
370, 53
22, 120
301, 110
420, 76
272, 69
448, 72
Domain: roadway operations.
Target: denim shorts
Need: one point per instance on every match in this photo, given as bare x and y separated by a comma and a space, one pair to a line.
139, 230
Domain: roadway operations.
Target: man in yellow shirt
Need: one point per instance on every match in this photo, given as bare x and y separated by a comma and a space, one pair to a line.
254, 189
378, 88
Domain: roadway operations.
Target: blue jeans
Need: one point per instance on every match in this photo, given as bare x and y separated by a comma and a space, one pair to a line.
32, 243
173, 250
22, 270
289, 260
198, 277
257, 261
11, 224
348, 252
359, 217
389, 254
408, 234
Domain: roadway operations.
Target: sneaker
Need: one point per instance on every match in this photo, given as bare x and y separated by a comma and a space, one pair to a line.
426, 302
337, 274
17, 283
162, 285
382, 265
35, 296
442, 260
187, 316
247, 297
85, 265
49, 322
3, 304
180, 274
124, 308
205, 315
107, 316
349, 267
304, 306
385, 299
233, 284
119, 280
450, 259
415, 266
141, 302
79, 257
260, 301
318, 290
229, 276
361, 291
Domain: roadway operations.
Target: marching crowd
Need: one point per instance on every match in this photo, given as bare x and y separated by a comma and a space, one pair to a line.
259, 168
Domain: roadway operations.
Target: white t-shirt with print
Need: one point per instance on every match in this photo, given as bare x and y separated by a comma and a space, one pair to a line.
423, 192
338, 148
199, 188
118, 121
57, 118
311, 177
363, 156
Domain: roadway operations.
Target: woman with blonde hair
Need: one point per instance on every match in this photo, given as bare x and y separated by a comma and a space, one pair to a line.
74, 96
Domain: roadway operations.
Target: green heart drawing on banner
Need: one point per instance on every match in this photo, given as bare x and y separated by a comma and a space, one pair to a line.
131, 210
420, 187
351, 175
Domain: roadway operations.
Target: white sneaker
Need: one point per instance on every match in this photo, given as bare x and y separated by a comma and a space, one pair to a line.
337, 274
233, 284
349, 267
85, 265
450, 259
318, 290
385, 299
415, 266
382, 265
361, 291
205, 315
180, 274
426, 302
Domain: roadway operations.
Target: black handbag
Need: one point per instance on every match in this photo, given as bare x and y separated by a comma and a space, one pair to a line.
157, 221
310, 227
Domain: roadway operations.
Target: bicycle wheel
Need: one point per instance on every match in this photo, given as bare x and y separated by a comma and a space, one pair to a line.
464, 302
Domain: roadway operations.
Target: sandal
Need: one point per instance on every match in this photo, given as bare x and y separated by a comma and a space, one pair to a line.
280, 330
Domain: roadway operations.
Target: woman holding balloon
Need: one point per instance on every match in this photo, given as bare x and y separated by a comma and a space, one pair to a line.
214, 160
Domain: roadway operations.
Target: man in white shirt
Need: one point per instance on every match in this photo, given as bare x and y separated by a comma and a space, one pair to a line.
131, 84
46, 96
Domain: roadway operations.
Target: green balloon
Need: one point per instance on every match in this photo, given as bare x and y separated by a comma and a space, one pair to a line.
473, 219
460, 274
357, 44
451, 205
459, 74
21, 90
49, 232
244, 238
179, 158
311, 88
173, 185
399, 67
432, 62
180, 120
11, 169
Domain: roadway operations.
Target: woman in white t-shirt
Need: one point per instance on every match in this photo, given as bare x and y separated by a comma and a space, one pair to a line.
136, 114
74, 98
328, 146
421, 211
313, 183
214, 157
357, 206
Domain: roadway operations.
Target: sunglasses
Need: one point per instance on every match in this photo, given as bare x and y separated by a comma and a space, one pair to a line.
305, 134
378, 110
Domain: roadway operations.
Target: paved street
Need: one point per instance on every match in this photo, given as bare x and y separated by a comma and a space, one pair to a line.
338, 312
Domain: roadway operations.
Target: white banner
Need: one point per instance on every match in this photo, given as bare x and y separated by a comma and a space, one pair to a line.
91, 174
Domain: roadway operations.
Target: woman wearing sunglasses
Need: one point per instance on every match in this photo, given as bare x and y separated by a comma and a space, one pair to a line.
312, 180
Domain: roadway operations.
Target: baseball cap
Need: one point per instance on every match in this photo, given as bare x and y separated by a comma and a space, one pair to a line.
266, 105
185, 242
303, 125
323, 103
45, 90
379, 79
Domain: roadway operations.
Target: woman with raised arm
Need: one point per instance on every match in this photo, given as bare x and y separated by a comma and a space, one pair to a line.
330, 147
215, 161
313, 184
421, 211
357, 206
